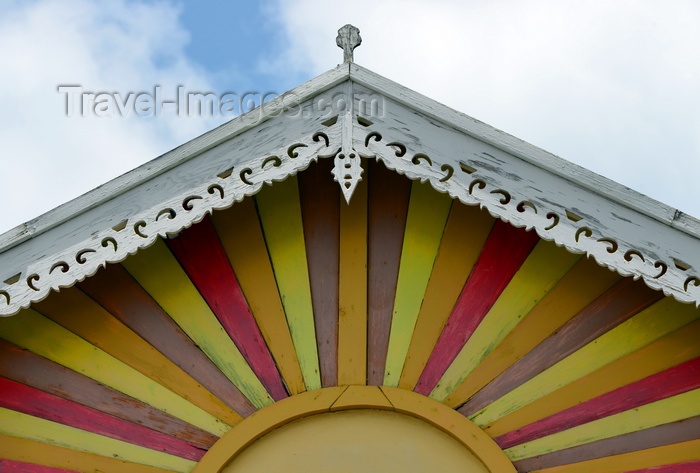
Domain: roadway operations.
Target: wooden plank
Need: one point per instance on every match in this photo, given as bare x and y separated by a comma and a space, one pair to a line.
577, 289
669, 351
388, 195
672, 468
31, 401
241, 236
425, 224
504, 252
639, 331
320, 209
81, 315
159, 273
8, 466
543, 268
204, 260
670, 382
352, 290
33, 370
465, 234
666, 434
21, 425
280, 214
34, 452
118, 292
652, 457
34, 332
615, 306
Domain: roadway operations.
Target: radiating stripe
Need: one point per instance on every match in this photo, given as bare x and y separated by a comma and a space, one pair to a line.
320, 209
425, 223
388, 195
621, 302
465, 234
33, 370
673, 349
7, 466
201, 255
78, 313
577, 289
33, 428
687, 467
280, 214
673, 381
34, 452
626, 462
649, 325
543, 268
505, 251
352, 290
27, 400
118, 292
34, 332
159, 273
665, 434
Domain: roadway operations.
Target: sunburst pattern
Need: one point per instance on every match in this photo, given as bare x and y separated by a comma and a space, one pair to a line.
144, 366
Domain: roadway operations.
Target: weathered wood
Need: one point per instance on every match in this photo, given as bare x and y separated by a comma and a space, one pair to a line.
33, 370
8, 466
117, 291
204, 260
672, 468
622, 301
388, 195
320, 210
666, 434
31, 401
577, 289
505, 251
673, 381
667, 352
543, 268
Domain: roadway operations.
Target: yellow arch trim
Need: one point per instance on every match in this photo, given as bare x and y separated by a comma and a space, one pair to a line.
355, 397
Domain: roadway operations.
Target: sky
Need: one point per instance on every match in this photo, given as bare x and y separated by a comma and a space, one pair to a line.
611, 86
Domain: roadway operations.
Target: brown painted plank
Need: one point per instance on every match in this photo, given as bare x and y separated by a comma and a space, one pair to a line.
667, 434
320, 211
117, 291
388, 197
33, 370
616, 305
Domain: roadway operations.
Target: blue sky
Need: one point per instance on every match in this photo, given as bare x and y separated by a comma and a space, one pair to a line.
612, 86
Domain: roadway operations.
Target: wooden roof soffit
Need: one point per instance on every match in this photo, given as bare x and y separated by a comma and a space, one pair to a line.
349, 114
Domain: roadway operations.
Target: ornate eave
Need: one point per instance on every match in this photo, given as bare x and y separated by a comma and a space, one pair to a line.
408, 132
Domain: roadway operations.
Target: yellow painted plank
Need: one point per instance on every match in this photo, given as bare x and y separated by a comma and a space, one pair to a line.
466, 232
543, 268
649, 458
362, 397
29, 427
241, 236
671, 350
425, 224
352, 290
159, 273
280, 213
665, 411
578, 288
31, 451
81, 315
644, 328
36, 333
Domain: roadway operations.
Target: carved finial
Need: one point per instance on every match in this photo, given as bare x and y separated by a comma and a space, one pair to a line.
348, 39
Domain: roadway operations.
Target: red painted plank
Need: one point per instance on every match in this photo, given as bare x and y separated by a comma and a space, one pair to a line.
320, 211
33, 370
8, 466
21, 398
388, 196
688, 467
619, 303
201, 255
118, 292
676, 380
504, 252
